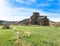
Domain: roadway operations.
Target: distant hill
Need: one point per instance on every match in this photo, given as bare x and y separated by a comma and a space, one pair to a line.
24, 22
10, 22
2, 21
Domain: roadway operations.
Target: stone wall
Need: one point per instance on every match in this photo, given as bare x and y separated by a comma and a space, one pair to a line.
43, 20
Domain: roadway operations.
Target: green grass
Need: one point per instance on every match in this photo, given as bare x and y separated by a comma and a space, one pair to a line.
42, 35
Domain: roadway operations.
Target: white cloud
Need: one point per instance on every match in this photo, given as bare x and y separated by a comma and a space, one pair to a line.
9, 13
17, 14
55, 19
28, 2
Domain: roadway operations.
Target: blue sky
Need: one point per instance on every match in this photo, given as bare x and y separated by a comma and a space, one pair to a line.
16, 10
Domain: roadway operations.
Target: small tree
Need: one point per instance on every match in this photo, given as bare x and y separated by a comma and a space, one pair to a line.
6, 25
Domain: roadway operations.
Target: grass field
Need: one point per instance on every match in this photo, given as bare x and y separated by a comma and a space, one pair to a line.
41, 36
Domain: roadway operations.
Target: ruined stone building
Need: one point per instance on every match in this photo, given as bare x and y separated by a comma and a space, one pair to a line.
36, 19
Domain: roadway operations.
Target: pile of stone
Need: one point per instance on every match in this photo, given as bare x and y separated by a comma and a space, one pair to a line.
24, 22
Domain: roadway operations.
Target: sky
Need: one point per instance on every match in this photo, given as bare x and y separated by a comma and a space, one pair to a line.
16, 10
